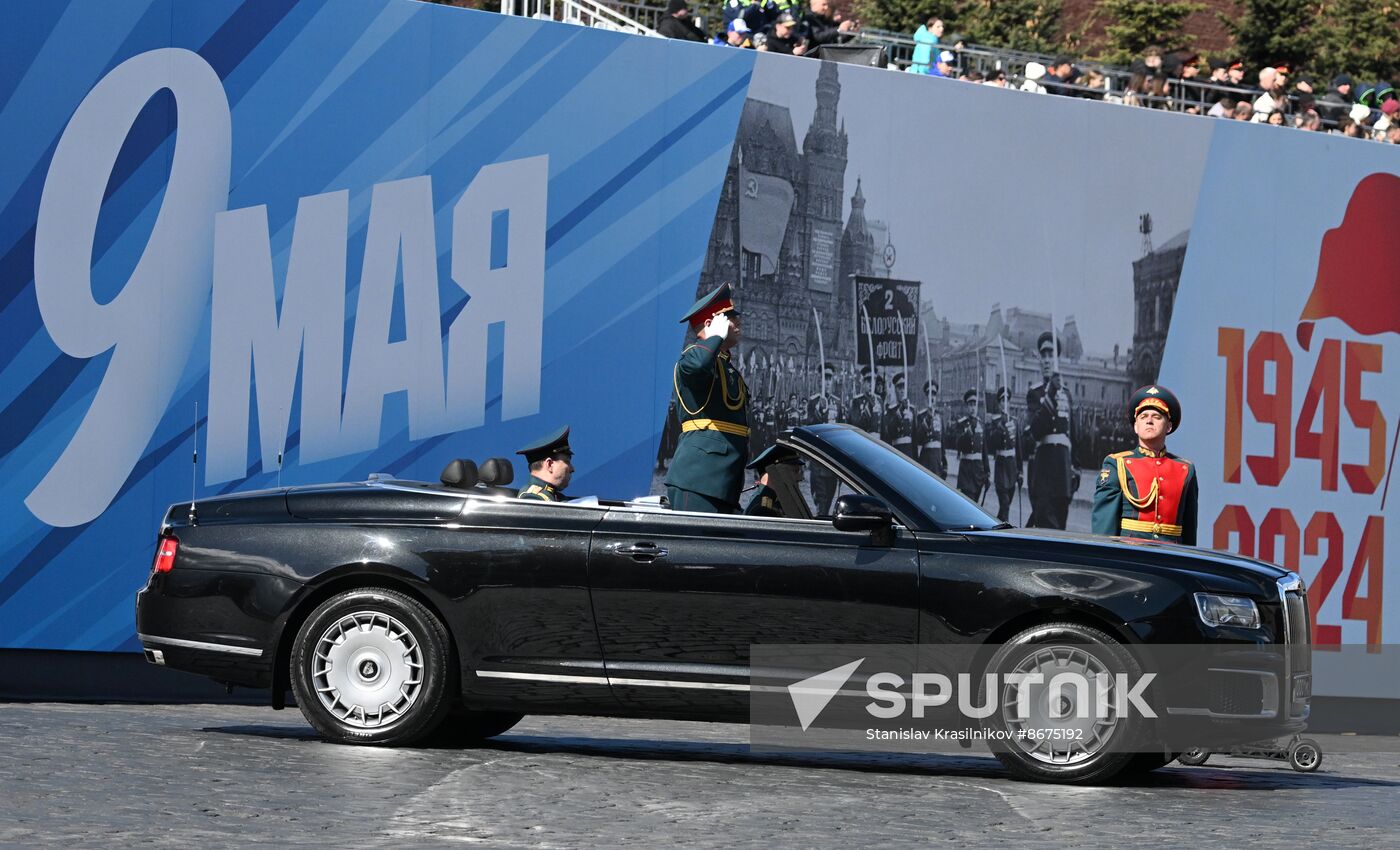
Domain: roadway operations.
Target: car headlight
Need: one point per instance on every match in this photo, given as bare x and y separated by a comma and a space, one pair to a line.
1227, 610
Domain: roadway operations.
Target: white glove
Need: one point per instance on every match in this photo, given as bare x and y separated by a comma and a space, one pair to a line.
718, 325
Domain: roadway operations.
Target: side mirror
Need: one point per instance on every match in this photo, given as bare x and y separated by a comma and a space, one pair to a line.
861, 513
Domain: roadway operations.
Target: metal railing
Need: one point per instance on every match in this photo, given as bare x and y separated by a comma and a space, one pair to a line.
1181, 95
641, 17
587, 13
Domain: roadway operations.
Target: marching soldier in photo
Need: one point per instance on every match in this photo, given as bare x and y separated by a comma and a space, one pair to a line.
969, 441
867, 409
1003, 444
779, 471
1148, 492
791, 414
928, 433
1049, 410
551, 466
824, 407
707, 473
897, 429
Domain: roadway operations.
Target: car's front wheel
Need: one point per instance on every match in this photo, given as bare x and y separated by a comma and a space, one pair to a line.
373, 666
1062, 734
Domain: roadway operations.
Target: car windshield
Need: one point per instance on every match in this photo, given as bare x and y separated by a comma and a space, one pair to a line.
949, 509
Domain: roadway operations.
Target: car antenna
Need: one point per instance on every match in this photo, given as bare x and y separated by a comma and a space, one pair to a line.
194, 460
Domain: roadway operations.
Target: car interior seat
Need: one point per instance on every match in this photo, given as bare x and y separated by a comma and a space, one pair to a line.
494, 474
460, 474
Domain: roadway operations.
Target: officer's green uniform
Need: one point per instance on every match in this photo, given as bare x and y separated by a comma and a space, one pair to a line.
707, 472
556, 443
1146, 494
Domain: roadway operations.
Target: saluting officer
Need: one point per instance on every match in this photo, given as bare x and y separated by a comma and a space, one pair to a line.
1049, 409
928, 433
969, 441
1003, 444
551, 466
1148, 492
707, 473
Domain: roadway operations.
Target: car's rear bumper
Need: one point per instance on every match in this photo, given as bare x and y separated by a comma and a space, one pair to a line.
211, 623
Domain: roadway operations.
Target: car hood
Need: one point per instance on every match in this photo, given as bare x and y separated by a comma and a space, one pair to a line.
1214, 568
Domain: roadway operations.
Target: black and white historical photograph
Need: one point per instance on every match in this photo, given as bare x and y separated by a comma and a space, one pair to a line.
995, 340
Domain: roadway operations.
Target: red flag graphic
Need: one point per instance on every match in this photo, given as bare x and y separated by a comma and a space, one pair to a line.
1356, 283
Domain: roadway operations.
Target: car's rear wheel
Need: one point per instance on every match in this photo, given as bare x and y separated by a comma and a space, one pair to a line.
373, 666
1060, 736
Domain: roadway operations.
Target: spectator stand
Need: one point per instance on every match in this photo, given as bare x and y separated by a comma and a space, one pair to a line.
1182, 95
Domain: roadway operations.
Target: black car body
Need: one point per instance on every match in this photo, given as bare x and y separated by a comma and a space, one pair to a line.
627, 608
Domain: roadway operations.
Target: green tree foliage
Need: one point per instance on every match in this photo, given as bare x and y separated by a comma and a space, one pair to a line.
1031, 25
1274, 32
1358, 37
1140, 24
896, 15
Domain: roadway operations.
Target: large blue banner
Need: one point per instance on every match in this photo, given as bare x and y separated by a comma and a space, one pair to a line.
329, 238
324, 239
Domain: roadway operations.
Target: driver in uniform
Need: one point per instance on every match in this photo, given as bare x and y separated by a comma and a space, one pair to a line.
779, 471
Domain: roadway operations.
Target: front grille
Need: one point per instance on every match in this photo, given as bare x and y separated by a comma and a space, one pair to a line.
1299, 635
1236, 693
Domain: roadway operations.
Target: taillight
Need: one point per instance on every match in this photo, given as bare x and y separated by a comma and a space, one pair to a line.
165, 555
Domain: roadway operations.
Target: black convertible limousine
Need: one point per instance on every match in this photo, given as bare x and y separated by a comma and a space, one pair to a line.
394, 609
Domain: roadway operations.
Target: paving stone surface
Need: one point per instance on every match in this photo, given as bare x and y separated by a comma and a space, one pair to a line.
216, 776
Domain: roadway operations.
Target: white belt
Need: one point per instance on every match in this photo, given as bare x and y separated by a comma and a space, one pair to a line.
1006, 452
933, 445
1054, 440
970, 455
903, 441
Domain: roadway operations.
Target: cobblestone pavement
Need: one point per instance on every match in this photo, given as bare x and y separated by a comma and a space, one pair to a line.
207, 776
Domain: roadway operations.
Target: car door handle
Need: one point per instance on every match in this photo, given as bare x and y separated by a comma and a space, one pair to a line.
644, 552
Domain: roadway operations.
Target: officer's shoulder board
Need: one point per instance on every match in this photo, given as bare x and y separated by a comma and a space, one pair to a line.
1112, 462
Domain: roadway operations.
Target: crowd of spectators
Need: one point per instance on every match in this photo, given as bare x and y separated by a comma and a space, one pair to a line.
1181, 80
773, 26
1185, 82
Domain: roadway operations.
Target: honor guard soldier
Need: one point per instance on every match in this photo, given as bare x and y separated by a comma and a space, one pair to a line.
707, 473
1003, 445
898, 427
928, 433
1049, 410
1148, 492
779, 471
969, 441
551, 466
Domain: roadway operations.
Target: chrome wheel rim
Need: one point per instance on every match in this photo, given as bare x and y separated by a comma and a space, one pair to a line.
1305, 756
367, 669
1056, 734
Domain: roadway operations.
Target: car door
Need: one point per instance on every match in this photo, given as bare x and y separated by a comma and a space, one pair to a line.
679, 597
516, 574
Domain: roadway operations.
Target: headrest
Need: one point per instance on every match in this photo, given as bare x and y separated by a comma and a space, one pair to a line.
460, 473
497, 472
